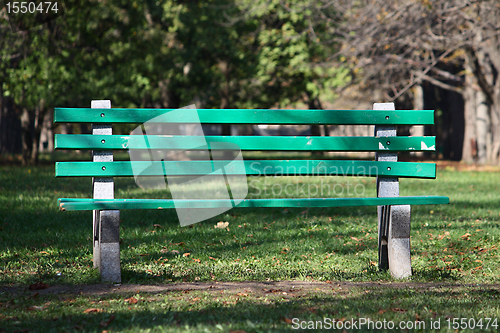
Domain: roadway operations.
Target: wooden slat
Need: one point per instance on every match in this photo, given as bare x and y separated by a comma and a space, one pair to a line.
290, 143
103, 204
242, 116
253, 168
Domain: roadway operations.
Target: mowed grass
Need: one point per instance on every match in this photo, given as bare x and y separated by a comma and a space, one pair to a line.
454, 246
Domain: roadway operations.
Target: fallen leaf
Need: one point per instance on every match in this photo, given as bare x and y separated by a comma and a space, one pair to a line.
186, 254
44, 252
157, 226
287, 320
107, 322
197, 260
273, 291
35, 308
91, 310
221, 225
466, 236
237, 331
38, 286
242, 294
399, 310
174, 252
131, 300
381, 312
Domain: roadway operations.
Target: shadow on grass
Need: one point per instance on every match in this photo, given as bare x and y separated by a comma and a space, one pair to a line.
197, 311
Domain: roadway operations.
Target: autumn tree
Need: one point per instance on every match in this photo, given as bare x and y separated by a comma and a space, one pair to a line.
454, 45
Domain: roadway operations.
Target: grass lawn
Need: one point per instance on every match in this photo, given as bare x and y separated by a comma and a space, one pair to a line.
326, 256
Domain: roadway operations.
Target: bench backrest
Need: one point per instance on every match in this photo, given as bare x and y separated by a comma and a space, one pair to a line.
384, 142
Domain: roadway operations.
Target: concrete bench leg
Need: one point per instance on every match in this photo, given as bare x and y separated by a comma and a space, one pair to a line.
398, 241
107, 245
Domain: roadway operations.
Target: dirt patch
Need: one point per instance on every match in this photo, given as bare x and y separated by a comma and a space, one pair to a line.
256, 288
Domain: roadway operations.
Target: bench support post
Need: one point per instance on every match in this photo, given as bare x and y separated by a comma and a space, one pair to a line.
106, 223
398, 242
388, 248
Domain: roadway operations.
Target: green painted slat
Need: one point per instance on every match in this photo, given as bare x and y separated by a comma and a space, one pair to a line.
253, 168
103, 204
243, 116
294, 143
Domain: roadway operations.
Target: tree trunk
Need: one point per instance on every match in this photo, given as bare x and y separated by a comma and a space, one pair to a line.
469, 150
495, 126
49, 130
317, 130
418, 104
224, 93
482, 127
37, 129
26, 136
487, 99
1, 117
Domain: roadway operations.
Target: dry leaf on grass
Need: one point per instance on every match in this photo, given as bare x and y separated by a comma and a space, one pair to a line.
38, 286
399, 310
107, 322
92, 310
35, 308
221, 225
466, 236
131, 300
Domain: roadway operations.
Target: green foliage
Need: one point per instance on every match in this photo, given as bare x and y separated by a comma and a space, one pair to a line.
169, 53
293, 63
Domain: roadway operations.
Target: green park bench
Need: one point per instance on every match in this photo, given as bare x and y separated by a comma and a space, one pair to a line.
393, 210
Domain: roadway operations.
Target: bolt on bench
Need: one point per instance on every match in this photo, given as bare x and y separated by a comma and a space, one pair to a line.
393, 210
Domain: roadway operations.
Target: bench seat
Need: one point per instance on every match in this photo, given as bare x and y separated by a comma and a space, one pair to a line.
119, 204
